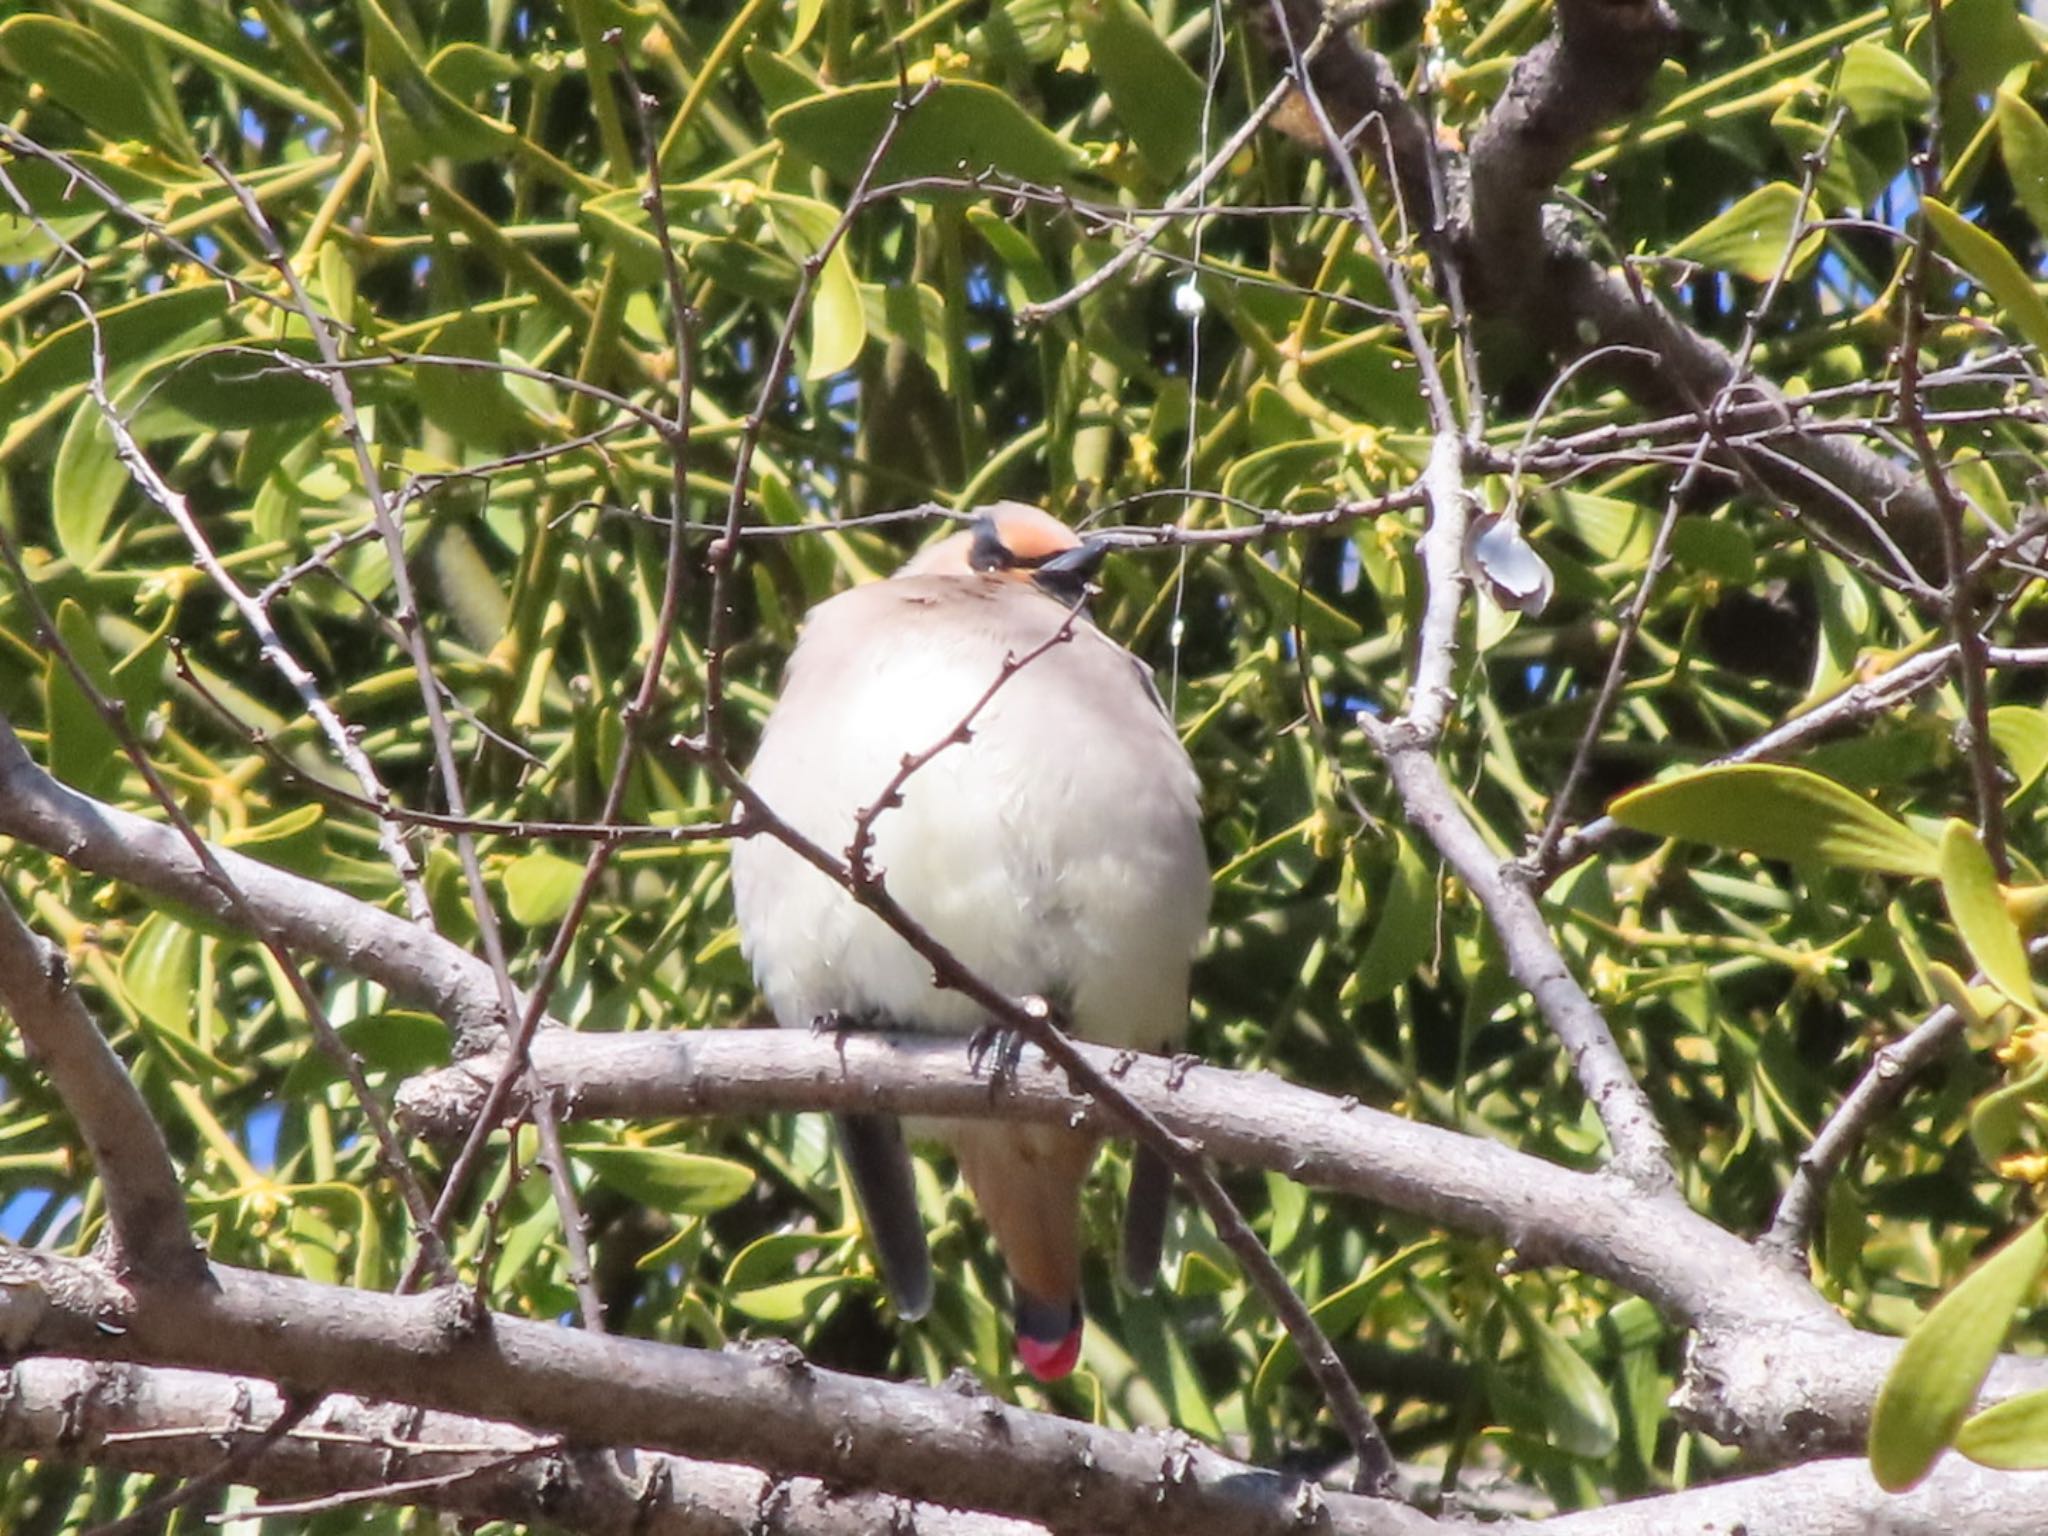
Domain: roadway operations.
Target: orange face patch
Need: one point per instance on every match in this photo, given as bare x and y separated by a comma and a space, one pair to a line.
1029, 534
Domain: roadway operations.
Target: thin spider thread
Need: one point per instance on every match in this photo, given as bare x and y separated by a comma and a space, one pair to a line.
1177, 629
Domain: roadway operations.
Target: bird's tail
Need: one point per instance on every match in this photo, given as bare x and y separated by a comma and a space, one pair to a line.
886, 1188
1146, 1206
1027, 1181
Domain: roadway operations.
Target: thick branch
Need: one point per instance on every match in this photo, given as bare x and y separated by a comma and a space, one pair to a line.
145, 1203
413, 964
1594, 67
1523, 267
1693, 1270
174, 1422
767, 1407
1771, 1367
350, 1452
1641, 1152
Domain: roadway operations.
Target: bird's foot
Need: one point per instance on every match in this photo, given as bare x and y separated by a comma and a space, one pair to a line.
999, 1047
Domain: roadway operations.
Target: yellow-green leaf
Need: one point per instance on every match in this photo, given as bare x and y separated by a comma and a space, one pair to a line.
1970, 886
1994, 268
1156, 96
118, 93
1580, 1415
1997, 1119
1928, 1393
666, 1178
160, 970
1877, 83
1750, 238
839, 326
2023, 144
86, 483
1777, 812
2020, 732
539, 887
963, 128
1405, 935
2012, 1435
789, 1301
84, 752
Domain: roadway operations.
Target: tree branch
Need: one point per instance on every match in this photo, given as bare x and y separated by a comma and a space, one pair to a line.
145, 1202
767, 1407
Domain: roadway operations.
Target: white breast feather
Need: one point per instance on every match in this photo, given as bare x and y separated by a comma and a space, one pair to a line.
1057, 852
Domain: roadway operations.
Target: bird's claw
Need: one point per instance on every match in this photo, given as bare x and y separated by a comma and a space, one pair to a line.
998, 1046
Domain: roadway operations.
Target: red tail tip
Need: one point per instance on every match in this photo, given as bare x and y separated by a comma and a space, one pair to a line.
1050, 1362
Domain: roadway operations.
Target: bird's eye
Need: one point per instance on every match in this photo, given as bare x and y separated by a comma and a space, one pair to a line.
988, 551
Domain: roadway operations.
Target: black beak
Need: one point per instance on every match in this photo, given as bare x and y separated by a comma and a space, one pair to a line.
1067, 574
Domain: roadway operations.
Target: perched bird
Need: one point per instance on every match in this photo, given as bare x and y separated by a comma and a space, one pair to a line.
1055, 850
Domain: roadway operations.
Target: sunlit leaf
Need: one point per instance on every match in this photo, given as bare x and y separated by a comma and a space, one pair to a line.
2020, 732
1751, 239
2012, 1435
1993, 266
1929, 1390
1970, 886
159, 971
666, 1179
1777, 812
962, 129
539, 887
1155, 93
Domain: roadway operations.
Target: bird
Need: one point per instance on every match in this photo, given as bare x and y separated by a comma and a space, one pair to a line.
1054, 846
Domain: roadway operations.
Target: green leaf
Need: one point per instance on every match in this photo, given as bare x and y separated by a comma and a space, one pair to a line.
471, 405
1026, 263
1970, 887
807, 14
1928, 1393
160, 972
1997, 1119
1993, 266
126, 330
1985, 40
1405, 935
114, 91
789, 1301
415, 115
774, 1257
963, 129
2012, 1435
1579, 1415
1611, 528
1777, 812
1877, 84
1724, 551
84, 752
1156, 96
85, 484
839, 325
296, 840
2020, 732
63, 201
1750, 238
394, 1041
669, 1180
539, 887
1294, 603
228, 389
2023, 143
1338, 1313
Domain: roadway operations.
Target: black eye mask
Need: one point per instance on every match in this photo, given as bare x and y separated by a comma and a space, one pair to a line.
1064, 573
